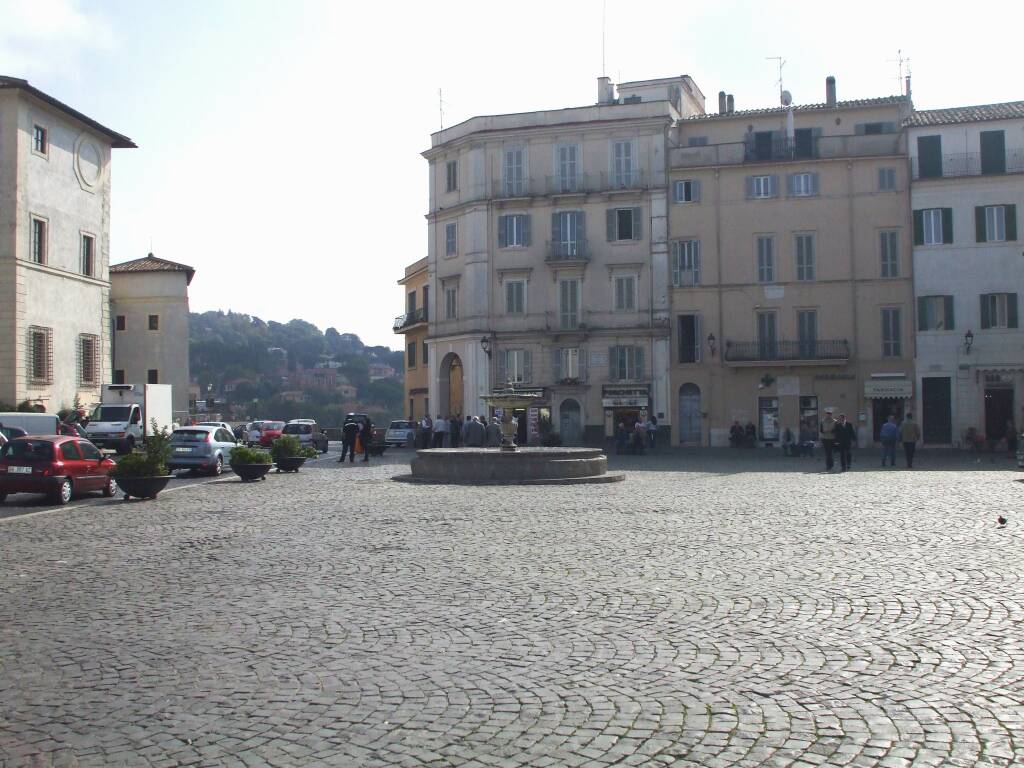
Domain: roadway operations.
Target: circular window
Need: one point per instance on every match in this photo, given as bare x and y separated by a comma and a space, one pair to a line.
90, 163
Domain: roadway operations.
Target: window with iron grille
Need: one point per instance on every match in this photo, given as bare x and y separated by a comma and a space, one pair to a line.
40, 355
626, 363
685, 262
38, 240
889, 244
88, 250
88, 359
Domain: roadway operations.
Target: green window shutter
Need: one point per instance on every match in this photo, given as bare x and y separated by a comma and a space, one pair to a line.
527, 235
922, 313
502, 231
979, 223
947, 225
695, 190
986, 321
947, 302
1011, 310
609, 220
750, 187
918, 227
638, 226
1011, 221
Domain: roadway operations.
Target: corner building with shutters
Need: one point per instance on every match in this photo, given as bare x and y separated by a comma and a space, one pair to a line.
547, 260
790, 274
967, 193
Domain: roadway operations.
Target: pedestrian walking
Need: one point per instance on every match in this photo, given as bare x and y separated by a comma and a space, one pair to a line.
910, 433
440, 430
889, 435
652, 430
639, 437
827, 435
366, 437
845, 438
348, 440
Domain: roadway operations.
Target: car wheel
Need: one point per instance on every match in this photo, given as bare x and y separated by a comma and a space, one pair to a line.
218, 468
129, 445
63, 493
110, 488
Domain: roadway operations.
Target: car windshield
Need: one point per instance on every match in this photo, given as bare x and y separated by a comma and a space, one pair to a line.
112, 413
401, 425
298, 429
189, 436
272, 425
209, 424
28, 450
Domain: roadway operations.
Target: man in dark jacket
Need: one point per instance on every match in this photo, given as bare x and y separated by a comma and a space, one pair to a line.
348, 440
475, 433
455, 429
366, 437
845, 437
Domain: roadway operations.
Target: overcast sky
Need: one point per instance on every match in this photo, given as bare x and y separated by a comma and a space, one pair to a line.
279, 142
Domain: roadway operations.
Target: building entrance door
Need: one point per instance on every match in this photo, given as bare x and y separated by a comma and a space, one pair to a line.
689, 414
570, 422
936, 412
998, 411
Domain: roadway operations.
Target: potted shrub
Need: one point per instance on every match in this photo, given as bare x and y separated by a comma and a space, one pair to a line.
250, 463
143, 475
289, 454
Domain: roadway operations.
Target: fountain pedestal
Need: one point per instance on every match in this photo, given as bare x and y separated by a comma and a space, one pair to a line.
522, 466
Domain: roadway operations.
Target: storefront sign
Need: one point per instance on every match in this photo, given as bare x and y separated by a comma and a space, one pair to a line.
883, 388
998, 381
533, 423
625, 397
787, 385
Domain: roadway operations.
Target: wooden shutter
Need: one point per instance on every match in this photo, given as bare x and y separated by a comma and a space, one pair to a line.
922, 313
979, 223
527, 366
609, 220
918, 227
581, 228
773, 185
947, 307
1011, 310
750, 187
986, 320
947, 225
1011, 221
638, 227
695, 190
526, 229
815, 183
502, 231
790, 184
678, 189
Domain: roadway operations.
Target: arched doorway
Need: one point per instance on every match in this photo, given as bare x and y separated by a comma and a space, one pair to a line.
450, 384
570, 422
689, 414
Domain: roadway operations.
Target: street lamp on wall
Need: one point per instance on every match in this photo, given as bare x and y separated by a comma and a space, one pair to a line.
485, 344
968, 342
711, 343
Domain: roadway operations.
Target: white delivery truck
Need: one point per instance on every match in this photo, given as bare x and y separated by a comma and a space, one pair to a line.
126, 413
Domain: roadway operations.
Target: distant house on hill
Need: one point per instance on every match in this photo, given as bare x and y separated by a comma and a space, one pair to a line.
380, 371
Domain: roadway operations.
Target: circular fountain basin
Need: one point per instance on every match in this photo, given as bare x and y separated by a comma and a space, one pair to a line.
524, 466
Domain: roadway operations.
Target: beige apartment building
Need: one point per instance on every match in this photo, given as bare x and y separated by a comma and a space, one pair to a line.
790, 268
547, 258
54, 249
149, 305
413, 325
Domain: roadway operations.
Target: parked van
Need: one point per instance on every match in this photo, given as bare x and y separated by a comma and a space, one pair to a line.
32, 423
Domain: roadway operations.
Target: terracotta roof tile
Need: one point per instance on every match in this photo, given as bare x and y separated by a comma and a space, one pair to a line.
151, 263
880, 101
976, 114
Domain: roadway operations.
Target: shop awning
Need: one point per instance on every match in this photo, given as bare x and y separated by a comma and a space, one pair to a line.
881, 389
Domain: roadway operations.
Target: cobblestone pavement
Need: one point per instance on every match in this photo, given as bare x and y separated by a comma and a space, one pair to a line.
703, 613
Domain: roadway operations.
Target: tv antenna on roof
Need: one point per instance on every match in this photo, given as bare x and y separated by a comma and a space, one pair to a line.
782, 63
440, 106
900, 61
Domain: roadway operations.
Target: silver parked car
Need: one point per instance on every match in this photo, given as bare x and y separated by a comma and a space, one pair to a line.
201, 448
308, 432
401, 434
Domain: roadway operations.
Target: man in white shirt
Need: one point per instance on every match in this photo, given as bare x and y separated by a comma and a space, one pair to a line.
440, 429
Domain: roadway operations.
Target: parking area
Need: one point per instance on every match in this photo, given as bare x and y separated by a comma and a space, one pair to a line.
716, 609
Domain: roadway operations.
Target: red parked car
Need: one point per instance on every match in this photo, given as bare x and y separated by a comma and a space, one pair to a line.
271, 431
56, 466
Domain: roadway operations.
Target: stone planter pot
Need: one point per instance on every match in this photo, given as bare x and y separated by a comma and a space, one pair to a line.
290, 463
142, 487
250, 472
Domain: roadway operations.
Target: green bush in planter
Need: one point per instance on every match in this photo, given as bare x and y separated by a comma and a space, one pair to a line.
243, 455
287, 446
152, 461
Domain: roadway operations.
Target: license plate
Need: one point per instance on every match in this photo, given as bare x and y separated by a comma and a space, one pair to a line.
20, 470
183, 450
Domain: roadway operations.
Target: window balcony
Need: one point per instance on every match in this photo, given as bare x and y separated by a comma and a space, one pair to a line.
571, 184
968, 164
786, 352
782, 150
625, 181
405, 322
568, 251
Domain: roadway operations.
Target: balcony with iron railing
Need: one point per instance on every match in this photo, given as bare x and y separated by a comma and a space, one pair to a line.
567, 251
968, 164
569, 184
815, 352
782, 150
409, 319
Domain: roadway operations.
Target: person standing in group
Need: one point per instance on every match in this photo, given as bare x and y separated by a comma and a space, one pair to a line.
440, 429
652, 430
366, 437
639, 437
493, 433
845, 435
348, 440
1011, 437
475, 433
910, 433
455, 430
827, 434
426, 431
889, 435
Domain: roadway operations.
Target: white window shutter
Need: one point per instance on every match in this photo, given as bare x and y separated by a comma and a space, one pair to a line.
695, 190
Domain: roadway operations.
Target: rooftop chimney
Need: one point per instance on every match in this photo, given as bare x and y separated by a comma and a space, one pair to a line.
730, 104
605, 91
721, 103
830, 92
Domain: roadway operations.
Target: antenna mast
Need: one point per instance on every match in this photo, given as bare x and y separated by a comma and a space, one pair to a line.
604, 8
440, 107
900, 61
782, 63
